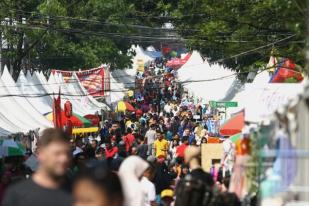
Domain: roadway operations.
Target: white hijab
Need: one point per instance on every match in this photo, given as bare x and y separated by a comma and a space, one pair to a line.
131, 169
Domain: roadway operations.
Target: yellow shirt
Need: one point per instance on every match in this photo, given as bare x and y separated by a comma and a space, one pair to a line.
161, 147
128, 123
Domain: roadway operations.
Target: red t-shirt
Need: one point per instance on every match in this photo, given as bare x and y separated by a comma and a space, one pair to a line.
128, 140
180, 150
111, 153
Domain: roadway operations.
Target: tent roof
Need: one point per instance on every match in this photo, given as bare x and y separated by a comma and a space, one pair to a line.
234, 125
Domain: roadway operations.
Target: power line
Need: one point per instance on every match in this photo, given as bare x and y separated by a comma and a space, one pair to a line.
256, 49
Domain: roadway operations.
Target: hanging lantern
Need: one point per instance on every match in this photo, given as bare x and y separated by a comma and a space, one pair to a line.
68, 110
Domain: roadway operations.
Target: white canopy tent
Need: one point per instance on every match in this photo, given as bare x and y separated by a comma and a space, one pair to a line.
209, 82
16, 113
140, 55
80, 89
121, 81
27, 87
26, 108
261, 100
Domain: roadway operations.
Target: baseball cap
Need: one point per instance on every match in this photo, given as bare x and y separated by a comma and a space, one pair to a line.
167, 193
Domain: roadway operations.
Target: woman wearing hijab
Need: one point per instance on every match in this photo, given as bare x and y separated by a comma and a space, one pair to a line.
130, 173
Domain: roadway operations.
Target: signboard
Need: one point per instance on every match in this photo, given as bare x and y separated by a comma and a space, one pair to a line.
140, 65
92, 79
223, 104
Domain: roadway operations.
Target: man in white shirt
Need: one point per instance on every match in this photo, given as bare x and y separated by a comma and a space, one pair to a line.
150, 137
148, 187
167, 108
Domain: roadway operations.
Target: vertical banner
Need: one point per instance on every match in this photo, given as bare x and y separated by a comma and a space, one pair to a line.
93, 80
57, 112
140, 65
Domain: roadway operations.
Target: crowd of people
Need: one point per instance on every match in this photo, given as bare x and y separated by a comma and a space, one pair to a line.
147, 157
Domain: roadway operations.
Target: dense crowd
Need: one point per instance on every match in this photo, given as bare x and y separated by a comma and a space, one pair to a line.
146, 157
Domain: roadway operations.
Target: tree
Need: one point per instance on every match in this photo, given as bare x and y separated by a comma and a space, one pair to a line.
64, 34
222, 29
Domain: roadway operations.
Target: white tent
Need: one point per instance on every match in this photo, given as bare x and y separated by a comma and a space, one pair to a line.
209, 82
39, 83
27, 87
260, 101
140, 55
38, 120
80, 89
120, 82
16, 114
78, 107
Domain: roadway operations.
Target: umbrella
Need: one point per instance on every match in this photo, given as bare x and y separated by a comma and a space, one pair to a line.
235, 137
10, 148
124, 106
176, 63
234, 125
77, 120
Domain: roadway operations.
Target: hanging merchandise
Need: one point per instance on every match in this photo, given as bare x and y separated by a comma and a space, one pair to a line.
239, 181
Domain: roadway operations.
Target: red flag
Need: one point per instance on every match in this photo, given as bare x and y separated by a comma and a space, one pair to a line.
57, 111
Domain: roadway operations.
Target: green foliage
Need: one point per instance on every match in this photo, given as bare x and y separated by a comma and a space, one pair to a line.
221, 29
64, 34
71, 34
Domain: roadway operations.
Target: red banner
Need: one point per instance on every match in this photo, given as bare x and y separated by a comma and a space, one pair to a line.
92, 80
57, 112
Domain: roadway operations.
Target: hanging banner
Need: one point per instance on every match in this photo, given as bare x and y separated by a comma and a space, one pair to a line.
140, 65
92, 79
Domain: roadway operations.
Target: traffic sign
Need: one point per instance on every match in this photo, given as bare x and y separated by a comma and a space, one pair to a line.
223, 104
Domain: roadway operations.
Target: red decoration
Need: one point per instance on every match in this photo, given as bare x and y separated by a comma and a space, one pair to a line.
93, 80
286, 70
176, 63
76, 122
94, 119
233, 125
166, 50
68, 110
57, 118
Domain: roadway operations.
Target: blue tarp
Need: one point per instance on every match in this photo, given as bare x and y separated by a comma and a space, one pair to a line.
154, 54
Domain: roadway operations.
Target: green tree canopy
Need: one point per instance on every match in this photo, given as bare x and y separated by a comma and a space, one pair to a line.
65, 34
222, 29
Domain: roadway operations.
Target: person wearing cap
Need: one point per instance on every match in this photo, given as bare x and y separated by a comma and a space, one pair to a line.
167, 197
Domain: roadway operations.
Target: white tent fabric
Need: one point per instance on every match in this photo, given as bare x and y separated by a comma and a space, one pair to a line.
58, 82
12, 108
260, 101
121, 81
82, 103
262, 78
80, 89
140, 55
38, 119
208, 82
27, 87
39, 87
